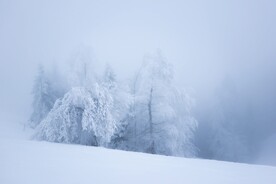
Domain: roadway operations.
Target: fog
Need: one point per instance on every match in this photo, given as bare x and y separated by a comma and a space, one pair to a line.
222, 51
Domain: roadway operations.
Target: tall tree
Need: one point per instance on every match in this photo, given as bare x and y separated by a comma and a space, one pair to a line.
82, 116
158, 123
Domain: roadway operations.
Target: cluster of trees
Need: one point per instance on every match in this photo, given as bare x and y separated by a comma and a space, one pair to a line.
148, 114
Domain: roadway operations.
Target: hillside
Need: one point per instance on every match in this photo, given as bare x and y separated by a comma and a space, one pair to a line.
43, 162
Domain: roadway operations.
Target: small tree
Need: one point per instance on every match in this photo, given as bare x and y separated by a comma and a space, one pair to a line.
121, 104
64, 122
43, 97
82, 116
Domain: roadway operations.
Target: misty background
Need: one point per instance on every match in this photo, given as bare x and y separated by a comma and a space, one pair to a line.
223, 52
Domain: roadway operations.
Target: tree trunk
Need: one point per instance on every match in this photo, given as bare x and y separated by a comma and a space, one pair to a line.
151, 148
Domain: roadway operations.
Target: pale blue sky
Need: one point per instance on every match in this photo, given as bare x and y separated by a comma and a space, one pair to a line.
205, 40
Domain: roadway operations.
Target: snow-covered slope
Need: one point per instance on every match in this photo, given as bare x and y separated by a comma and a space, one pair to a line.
30, 162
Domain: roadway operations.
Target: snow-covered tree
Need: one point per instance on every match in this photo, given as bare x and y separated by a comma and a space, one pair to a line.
43, 97
99, 118
151, 115
182, 138
121, 103
158, 124
64, 122
82, 116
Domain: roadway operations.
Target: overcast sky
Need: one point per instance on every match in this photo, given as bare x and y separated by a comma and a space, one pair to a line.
207, 41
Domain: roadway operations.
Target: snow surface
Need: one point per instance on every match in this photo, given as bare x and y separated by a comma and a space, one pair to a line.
23, 161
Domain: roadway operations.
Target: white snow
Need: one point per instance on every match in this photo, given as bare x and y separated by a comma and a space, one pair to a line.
29, 162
